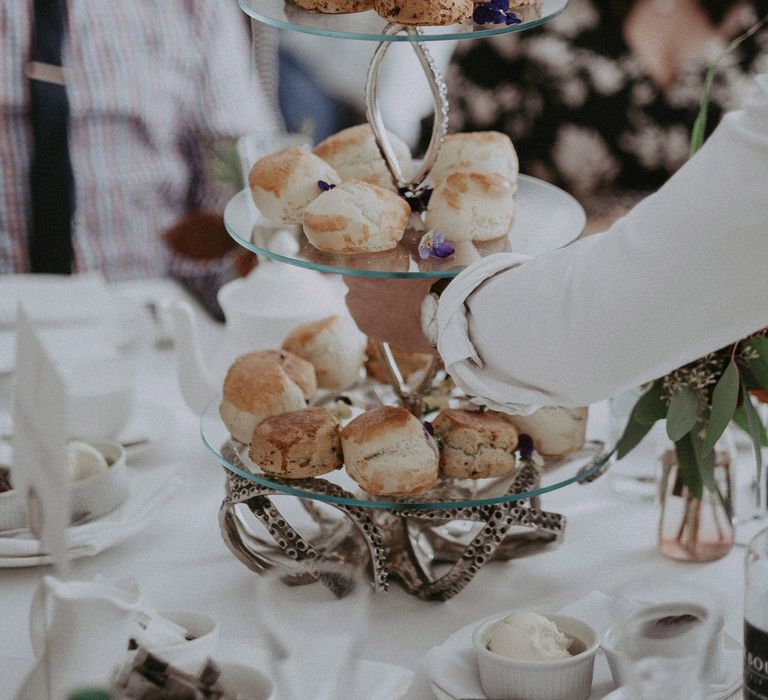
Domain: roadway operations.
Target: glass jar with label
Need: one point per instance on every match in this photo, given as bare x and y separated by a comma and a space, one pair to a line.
756, 619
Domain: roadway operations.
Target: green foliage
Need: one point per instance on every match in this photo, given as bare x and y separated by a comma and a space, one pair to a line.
724, 400
683, 413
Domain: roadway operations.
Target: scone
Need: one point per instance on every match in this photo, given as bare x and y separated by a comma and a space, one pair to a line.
476, 152
356, 217
425, 12
298, 444
334, 346
472, 206
388, 452
409, 363
474, 444
284, 183
257, 386
297, 368
555, 430
354, 155
335, 6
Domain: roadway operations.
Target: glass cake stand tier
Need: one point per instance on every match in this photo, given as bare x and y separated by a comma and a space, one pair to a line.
339, 489
546, 218
368, 26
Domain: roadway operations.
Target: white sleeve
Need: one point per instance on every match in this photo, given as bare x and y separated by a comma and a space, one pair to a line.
683, 274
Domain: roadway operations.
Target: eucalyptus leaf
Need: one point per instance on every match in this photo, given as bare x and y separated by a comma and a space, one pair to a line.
758, 367
682, 414
724, 400
651, 406
755, 425
633, 435
689, 468
705, 461
740, 418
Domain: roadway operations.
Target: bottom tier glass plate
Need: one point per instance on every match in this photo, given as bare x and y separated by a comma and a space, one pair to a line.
449, 493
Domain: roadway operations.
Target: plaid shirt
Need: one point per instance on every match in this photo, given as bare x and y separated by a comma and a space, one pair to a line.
144, 79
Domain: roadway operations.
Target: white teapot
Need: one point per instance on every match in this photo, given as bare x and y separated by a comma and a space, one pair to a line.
260, 310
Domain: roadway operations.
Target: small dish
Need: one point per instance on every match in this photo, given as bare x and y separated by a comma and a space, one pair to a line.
684, 631
89, 498
190, 654
240, 681
558, 679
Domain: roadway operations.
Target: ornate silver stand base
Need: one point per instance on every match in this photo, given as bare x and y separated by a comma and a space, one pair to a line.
406, 543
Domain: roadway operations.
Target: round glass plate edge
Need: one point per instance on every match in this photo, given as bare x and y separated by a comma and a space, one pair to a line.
210, 418
367, 26
239, 223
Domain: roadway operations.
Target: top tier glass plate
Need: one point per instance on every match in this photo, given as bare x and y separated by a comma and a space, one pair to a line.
368, 26
546, 218
338, 488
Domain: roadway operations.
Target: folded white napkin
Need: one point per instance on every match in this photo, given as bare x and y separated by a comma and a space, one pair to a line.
453, 665
148, 492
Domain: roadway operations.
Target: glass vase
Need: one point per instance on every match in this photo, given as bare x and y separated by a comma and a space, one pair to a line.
692, 528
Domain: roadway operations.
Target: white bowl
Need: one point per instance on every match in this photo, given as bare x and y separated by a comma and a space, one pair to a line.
245, 682
189, 655
558, 679
624, 646
89, 498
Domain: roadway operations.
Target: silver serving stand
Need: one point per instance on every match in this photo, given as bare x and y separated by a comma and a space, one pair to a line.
404, 541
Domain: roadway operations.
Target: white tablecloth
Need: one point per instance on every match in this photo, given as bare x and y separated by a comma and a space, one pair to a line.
180, 560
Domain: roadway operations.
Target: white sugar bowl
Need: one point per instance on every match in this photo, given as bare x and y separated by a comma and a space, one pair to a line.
556, 679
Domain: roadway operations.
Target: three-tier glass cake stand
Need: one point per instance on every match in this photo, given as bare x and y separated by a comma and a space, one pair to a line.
433, 543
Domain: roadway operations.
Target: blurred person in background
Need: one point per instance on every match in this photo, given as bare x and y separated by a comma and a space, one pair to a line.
601, 100
104, 110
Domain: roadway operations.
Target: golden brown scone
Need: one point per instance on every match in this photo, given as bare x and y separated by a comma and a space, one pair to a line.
388, 452
298, 444
255, 388
409, 362
282, 184
336, 6
334, 346
354, 155
555, 430
472, 206
489, 152
425, 12
356, 217
475, 444
297, 368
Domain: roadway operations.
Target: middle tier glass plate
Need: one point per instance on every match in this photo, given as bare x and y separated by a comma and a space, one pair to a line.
447, 494
546, 218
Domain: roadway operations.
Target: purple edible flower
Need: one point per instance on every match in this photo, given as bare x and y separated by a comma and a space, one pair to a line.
325, 186
433, 244
494, 12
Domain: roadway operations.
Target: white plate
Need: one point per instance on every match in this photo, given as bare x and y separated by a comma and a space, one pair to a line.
602, 680
148, 491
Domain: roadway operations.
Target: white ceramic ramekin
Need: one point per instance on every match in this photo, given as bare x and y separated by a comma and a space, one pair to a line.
89, 498
559, 679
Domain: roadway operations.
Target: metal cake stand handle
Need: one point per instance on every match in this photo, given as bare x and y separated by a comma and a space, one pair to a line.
373, 112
